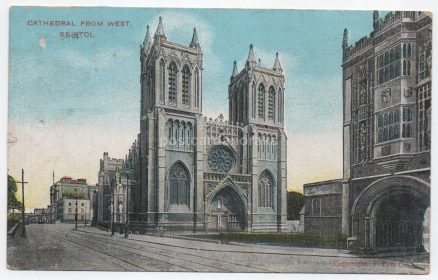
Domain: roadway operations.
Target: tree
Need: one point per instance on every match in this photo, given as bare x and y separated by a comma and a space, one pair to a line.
13, 203
295, 201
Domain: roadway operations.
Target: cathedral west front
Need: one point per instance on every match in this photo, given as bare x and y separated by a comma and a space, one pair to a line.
189, 171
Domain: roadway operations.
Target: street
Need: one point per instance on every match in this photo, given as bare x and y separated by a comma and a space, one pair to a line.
60, 247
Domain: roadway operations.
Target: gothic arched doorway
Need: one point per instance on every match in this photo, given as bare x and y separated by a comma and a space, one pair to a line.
227, 204
389, 214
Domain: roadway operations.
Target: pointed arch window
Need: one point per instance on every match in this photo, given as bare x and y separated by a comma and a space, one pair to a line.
179, 185
254, 108
241, 105
197, 88
261, 101
271, 104
280, 105
186, 85
162, 80
266, 189
172, 82
151, 90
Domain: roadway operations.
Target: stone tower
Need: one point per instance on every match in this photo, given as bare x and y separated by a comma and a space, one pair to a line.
256, 102
171, 98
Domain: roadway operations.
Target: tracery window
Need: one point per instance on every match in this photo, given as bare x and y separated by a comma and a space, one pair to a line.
280, 105
271, 104
408, 55
254, 108
266, 188
186, 85
424, 117
197, 88
151, 90
162, 80
261, 101
179, 184
423, 67
388, 65
220, 159
172, 82
388, 126
407, 131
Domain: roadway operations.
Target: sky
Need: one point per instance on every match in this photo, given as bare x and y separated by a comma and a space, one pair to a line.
70, 100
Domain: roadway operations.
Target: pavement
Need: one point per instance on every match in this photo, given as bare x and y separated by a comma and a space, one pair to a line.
60, 247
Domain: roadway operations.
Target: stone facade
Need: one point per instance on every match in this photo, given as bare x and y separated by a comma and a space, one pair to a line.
386, 133
192, 170
107, 188
323, 206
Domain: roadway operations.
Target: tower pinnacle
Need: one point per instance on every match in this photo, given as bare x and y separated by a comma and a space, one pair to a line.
234, 70
277, 64
160, 29
376, 20
147, 39
345, 39
251, 61
194, 43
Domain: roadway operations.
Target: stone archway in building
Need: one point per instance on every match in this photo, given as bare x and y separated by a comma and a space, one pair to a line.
389, 214
227, 210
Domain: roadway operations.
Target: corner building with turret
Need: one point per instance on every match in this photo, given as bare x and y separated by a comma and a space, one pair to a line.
199, 173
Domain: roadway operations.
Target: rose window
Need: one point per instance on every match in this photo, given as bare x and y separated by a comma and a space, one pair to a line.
220, 159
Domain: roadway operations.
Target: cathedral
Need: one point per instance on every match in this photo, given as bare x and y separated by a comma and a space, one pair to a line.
198, 173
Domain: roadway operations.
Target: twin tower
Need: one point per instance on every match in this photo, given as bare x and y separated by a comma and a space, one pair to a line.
202, 173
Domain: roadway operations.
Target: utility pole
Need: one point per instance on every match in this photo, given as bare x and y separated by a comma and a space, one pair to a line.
76, 211
23, 229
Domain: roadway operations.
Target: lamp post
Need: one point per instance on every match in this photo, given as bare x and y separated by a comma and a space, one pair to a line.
112, 206
76, 210
94, 216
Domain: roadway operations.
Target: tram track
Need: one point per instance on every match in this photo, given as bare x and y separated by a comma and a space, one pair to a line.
60, 239
184, 250
161, 256
90, 249
182, 264
177, 253
154, 264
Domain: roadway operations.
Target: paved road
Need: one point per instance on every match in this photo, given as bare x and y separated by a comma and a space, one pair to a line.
59, 247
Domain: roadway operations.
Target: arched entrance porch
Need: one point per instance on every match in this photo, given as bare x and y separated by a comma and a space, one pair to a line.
388, 214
